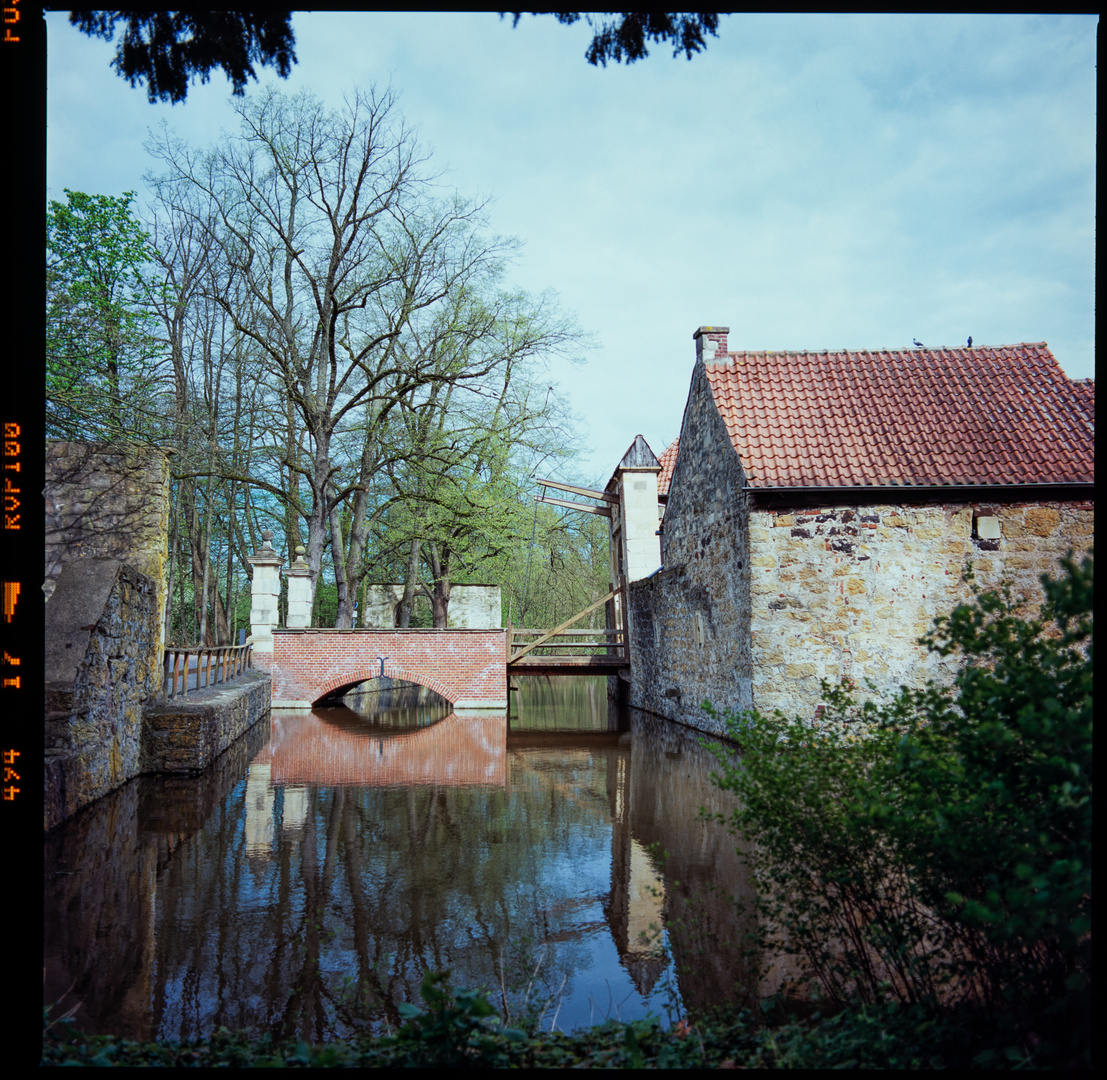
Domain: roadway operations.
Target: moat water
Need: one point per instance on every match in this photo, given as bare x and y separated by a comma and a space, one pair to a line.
555, 857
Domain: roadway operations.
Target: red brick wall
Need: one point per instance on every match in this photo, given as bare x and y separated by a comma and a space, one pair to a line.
461, 665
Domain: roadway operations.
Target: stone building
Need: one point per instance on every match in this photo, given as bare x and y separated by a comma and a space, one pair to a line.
820, 507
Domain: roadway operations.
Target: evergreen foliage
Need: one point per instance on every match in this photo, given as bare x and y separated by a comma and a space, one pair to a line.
622, 36
167, 49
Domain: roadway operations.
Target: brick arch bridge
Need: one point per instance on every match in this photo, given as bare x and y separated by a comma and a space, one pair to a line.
467, 667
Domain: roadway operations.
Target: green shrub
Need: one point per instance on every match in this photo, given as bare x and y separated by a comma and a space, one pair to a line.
943, 858
455, 1029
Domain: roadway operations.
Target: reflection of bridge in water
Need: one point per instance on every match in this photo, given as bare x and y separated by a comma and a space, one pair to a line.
332, 747
380, 881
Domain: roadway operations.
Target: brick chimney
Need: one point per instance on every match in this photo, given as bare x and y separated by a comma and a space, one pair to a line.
711, 343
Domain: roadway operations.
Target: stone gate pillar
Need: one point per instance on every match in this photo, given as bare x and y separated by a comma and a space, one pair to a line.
298, 576
264, 592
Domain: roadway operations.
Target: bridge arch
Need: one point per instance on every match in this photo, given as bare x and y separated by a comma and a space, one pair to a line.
391, 671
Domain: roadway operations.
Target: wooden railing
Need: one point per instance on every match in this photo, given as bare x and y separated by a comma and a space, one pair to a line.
611, 643
217, 664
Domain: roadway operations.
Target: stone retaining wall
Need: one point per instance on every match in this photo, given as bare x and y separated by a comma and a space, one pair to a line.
109, 501
189, 733
100, 670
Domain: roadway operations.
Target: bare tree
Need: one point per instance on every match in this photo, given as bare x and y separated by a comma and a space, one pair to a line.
355, 281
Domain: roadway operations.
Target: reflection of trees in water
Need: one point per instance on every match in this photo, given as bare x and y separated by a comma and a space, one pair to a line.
559, 701
323, 915
102, 870
389, 704
337, 924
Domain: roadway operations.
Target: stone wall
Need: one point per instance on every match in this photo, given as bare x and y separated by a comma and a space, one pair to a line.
689, 622
849, 589
472, 607
187, 734
755, 605
108, 501
103, 726
101, 623
107, 529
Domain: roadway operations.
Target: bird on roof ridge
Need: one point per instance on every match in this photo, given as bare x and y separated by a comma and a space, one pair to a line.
918, 344
970, 341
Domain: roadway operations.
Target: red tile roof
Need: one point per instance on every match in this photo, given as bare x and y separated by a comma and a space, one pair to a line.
1084, 390
667, 461
918, 417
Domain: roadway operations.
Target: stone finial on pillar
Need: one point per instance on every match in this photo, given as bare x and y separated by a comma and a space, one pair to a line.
299, 593
265, 589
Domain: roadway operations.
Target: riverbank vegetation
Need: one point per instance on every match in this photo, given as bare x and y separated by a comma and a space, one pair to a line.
461, 1030
326, 338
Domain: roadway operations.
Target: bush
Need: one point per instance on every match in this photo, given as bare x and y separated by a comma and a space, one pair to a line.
935, 850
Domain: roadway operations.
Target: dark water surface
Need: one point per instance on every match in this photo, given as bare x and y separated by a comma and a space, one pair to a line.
304, 885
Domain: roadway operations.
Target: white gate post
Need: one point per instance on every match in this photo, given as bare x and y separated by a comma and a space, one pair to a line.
265, 589
299, 593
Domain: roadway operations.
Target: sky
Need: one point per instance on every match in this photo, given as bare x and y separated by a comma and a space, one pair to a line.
809, 181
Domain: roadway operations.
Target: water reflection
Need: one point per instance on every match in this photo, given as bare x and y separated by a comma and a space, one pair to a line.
305, 885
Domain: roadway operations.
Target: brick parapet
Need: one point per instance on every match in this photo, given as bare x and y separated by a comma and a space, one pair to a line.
467, 667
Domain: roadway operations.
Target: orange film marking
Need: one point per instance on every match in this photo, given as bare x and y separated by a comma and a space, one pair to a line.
11, 595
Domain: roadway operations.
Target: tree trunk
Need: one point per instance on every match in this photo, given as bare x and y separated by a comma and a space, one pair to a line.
343, 616
404, 611
439, 560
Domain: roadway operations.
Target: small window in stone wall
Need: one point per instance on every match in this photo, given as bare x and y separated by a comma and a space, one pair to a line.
986, 532
699, 627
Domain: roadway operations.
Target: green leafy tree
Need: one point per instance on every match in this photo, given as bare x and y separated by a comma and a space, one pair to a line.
936, 849
103, 356
470, 440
